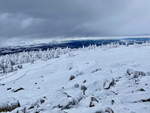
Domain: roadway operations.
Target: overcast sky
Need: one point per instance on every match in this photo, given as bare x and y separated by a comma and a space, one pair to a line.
72, 18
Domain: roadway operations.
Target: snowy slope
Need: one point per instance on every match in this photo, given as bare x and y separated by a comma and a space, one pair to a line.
99, 80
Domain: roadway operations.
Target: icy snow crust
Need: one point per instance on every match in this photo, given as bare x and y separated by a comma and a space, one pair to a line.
99, 80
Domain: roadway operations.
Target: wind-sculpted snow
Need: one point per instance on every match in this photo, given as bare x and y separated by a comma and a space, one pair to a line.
88, 80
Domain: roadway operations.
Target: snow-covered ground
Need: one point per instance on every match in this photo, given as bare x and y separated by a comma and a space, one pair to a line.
99, 80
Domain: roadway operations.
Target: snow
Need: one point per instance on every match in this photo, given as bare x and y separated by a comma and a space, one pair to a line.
46, 84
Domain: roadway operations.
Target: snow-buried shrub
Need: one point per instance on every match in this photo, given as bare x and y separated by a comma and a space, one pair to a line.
108, 83
9, 104
106, 110
135, 74
35, 107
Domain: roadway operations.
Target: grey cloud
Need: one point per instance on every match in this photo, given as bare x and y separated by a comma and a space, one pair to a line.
69, 18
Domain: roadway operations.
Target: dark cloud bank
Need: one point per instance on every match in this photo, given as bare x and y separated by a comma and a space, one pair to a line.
72, 18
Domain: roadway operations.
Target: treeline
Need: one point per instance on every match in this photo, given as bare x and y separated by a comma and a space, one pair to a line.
13, 62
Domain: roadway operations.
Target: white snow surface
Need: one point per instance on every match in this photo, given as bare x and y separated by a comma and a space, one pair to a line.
49, 80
